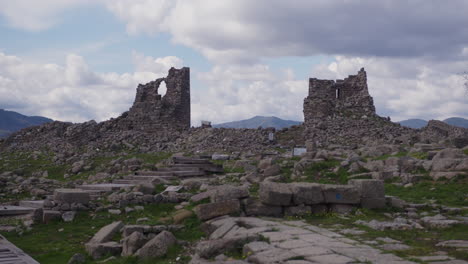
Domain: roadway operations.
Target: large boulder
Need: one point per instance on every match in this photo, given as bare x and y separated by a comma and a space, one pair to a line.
307, 193
158, 246
273, 193
212, 210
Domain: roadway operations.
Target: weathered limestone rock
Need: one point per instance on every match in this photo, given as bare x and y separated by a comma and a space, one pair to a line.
307, 193
71, 196
106, 233
228, 192
50, 215
132, 243
299, 210
341, 194
372, 192
99, 250
157, 246
273, 193
212, 210
210, 248
254, 207
342, 208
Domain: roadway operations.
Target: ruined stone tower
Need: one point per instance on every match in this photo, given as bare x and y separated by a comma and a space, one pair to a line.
152, 112
341, 98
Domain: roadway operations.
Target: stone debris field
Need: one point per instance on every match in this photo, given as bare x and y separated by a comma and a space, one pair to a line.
346, 186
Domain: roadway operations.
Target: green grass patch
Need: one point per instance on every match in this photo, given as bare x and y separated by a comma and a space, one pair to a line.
419, 155
48, 245
465, 151
253, 189
450, 193
323, 172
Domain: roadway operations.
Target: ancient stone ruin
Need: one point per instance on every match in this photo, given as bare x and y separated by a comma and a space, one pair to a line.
348, 97
151, 111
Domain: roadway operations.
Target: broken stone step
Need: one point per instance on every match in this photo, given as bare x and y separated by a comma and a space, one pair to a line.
124, 181
147, 177
189, 173
32, 204
9, 210
107, 187
183, 160
155, 173
182, 168
205, 167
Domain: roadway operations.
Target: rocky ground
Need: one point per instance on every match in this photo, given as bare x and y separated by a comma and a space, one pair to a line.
373, 204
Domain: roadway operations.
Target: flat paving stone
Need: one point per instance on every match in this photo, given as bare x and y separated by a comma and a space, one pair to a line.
331, 259
311, 251
296, 242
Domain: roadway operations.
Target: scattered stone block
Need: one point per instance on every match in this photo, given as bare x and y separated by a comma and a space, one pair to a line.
106, 233
342, 208
319, 208
341, 194
68, 216
299, 210
99, 250
50, 215
273, 193
132, 243
32, 204
253, 207
395, 202
307, 193
158, 246
71, 196
212, 210
369, 188
220, 157
7, 210
228, 192
77, 258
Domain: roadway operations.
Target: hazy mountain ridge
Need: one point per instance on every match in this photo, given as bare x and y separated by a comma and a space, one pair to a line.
12, 121
257, 121
420, 123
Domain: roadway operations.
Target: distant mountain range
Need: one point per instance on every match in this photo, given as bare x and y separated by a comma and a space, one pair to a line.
420, 123
12, 121
260, 121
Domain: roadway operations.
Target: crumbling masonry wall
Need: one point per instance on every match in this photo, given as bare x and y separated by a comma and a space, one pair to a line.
152, 112
328, 99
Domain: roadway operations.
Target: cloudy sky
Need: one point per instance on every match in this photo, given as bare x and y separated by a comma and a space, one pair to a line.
76, 60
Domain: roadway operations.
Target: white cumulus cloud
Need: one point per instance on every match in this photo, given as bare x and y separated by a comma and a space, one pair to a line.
73, 92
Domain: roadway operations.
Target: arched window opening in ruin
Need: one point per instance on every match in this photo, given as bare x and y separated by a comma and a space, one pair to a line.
337, 93
162, 88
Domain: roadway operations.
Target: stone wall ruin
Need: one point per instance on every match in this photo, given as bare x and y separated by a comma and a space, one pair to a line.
152, 112
348, 97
